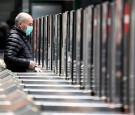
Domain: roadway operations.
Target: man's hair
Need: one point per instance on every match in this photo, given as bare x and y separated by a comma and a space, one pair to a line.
21, 16
18, 18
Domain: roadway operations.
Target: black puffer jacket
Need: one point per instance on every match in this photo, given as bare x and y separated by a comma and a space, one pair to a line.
18, 52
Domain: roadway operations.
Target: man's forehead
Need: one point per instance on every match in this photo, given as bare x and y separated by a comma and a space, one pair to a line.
29, 20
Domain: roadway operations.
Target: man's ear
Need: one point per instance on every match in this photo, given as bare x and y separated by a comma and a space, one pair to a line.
20, 24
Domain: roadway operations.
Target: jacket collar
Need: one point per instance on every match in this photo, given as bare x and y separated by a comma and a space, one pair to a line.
19, 30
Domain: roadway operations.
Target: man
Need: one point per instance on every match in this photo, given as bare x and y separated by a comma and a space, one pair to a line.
4, 30
18, 55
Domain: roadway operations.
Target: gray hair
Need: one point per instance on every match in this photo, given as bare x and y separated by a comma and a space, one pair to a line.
21, 16
18, 18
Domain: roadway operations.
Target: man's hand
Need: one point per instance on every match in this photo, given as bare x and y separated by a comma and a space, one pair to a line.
38, 70
32, 65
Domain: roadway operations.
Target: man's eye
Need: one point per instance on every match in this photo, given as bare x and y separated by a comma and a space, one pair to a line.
30, 24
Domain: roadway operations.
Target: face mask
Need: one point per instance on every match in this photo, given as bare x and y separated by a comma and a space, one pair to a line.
28, 30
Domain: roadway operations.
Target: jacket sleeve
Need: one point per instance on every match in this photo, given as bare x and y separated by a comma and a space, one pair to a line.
12, 49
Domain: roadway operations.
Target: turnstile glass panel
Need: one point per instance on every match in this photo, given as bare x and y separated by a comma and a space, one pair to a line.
96, 51
103, 52
87, 37
132, 59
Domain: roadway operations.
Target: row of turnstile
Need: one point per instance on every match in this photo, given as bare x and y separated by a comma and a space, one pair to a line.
94, 48
47, 94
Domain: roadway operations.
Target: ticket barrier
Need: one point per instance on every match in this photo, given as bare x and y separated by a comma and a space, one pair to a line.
13, 100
